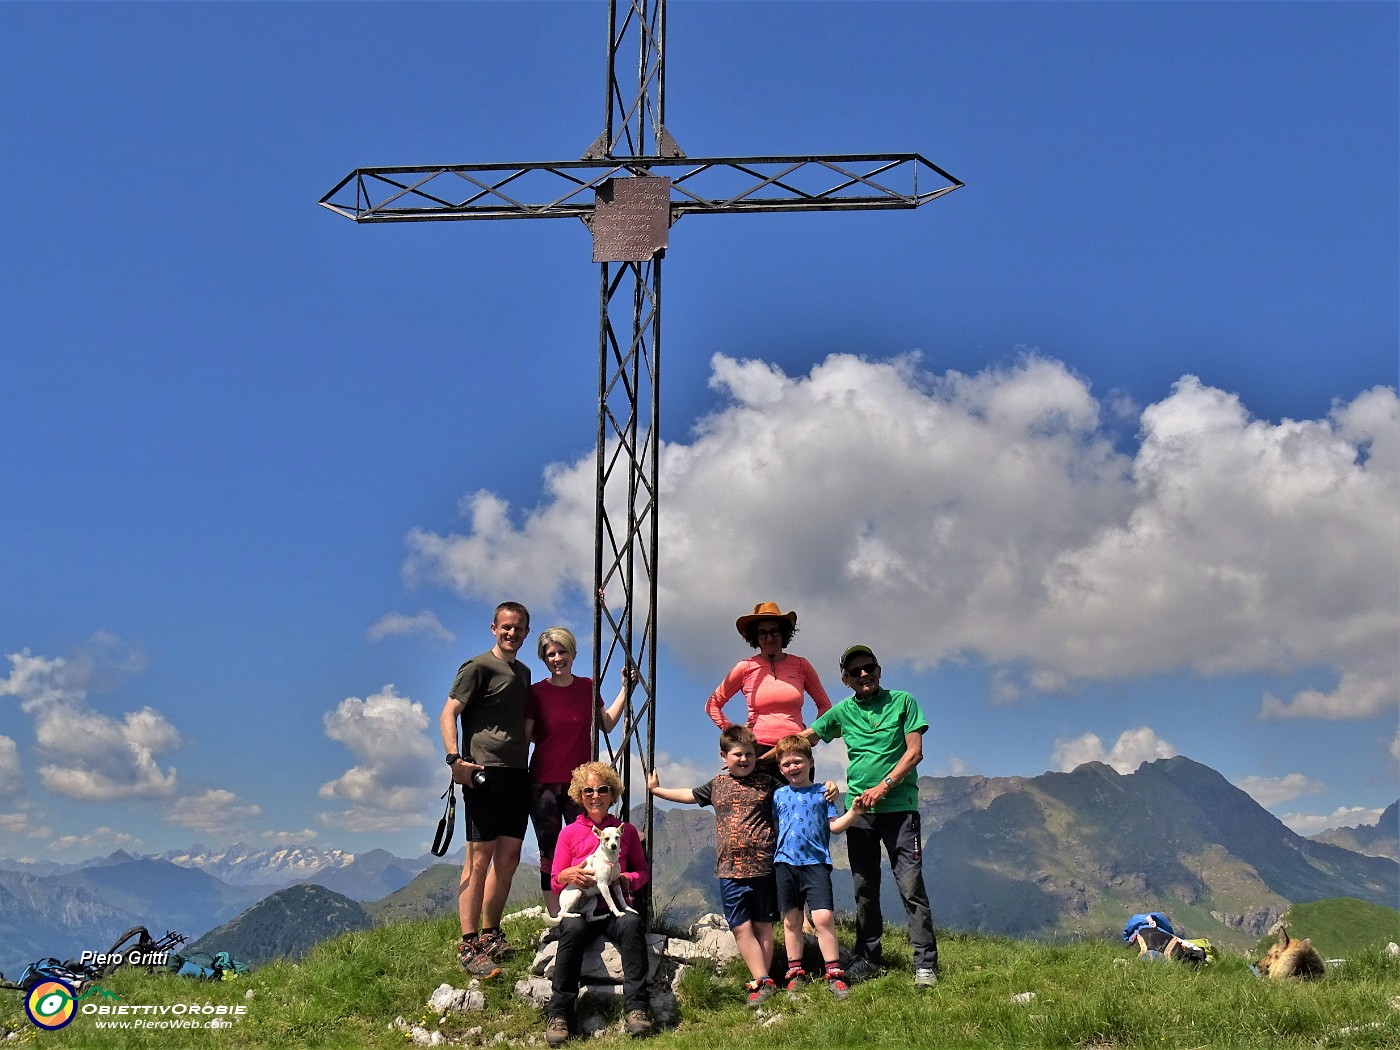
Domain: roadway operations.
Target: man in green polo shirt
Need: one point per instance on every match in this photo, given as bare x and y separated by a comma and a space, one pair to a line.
883, 730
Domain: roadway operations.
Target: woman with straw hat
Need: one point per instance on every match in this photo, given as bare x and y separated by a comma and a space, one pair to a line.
773, 681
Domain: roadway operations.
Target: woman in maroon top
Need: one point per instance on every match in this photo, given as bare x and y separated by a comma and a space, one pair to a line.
559, 722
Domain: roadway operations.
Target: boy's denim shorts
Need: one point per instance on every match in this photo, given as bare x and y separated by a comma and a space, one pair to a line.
800, 884
749, 900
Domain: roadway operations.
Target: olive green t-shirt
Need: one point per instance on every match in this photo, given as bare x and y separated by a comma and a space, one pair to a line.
494, 694
874, 732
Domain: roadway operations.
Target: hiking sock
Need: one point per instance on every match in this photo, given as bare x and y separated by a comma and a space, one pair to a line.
829, 967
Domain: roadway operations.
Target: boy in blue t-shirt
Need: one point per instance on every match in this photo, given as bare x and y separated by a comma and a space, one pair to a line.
802, 861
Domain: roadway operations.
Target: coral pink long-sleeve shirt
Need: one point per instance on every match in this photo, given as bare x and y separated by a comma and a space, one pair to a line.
774, 696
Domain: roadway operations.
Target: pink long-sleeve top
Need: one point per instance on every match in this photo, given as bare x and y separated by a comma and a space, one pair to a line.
577, 843
774, 696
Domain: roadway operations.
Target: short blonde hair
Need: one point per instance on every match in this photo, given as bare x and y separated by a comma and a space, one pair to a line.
560, 636
605, 775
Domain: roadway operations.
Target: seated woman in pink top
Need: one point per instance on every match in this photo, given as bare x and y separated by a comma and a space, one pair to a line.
559, 722
595, 787
773, 682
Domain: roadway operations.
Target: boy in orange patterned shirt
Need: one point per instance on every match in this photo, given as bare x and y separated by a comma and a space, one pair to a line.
745, 838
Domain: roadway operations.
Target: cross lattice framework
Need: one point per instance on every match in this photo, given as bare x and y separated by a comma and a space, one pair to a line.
632, 184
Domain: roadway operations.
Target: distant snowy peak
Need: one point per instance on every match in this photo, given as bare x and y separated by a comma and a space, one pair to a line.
244, 865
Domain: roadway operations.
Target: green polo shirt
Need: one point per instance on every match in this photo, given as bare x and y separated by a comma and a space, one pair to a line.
874, 732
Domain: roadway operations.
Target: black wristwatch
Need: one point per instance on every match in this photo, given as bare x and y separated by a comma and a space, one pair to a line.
453, 759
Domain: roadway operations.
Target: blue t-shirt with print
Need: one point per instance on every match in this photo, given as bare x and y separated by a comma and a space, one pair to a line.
804, 836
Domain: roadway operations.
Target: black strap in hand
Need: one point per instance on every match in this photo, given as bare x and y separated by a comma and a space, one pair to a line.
443, 839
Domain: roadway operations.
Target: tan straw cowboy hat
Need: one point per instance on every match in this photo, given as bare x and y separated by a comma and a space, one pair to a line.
763, 611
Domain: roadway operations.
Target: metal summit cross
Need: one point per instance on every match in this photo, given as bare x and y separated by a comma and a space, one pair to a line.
631, 186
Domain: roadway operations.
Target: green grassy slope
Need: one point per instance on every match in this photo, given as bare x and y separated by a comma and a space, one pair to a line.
995, 993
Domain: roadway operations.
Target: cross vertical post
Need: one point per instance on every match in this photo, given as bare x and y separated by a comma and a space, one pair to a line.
630, 231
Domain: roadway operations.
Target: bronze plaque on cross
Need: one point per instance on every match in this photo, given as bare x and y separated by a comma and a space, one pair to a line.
631, 219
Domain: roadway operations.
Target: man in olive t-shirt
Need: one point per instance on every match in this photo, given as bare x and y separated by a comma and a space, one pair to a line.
883, 731
488, 699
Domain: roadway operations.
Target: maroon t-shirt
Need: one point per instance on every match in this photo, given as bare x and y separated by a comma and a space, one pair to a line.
563, 724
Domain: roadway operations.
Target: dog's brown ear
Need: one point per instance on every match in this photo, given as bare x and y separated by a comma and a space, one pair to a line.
597, 833
1283, 939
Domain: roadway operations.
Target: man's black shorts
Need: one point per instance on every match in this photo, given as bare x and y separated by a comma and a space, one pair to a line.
499, 808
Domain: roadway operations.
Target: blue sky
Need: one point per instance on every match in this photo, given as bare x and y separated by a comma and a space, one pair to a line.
1100, 453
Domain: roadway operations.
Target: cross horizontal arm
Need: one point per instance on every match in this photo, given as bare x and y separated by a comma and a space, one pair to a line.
699, 185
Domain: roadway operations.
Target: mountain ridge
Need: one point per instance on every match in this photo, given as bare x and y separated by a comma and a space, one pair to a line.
1381, 839
1061, 854
1068, 854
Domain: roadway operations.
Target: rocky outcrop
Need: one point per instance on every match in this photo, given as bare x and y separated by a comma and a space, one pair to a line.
600, 987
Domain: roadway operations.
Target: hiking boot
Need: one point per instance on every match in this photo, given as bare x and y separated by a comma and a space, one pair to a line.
925, 977
637, 1023
759, 991
836, 981
494, 945
795, 979
556, 1031
861, 969
475, 961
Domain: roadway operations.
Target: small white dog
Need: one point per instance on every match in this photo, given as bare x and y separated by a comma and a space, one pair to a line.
602, 862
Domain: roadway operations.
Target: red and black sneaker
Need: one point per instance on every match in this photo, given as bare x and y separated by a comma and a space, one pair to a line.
760, 990
836, 981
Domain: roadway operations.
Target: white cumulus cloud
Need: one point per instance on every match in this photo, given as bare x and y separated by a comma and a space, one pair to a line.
393, 625
9, 766
23, 825
390, 786
215, 812
102, 838
289, 838
1132, 748
1270, 791
676, 772
89, 755
992, 514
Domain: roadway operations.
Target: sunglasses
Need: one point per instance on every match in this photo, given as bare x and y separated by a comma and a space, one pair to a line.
769, 632
596, 791
863, 670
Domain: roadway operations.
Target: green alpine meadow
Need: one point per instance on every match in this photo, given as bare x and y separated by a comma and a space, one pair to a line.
994, 992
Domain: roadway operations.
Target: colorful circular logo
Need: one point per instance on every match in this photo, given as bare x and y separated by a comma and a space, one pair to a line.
50, 1004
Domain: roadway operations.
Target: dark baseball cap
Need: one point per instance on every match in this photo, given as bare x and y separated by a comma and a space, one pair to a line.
856, 650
